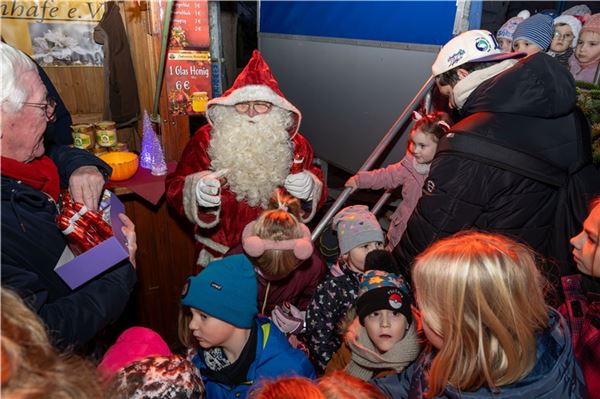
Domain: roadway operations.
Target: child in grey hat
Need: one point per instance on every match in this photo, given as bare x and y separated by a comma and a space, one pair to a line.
359, 233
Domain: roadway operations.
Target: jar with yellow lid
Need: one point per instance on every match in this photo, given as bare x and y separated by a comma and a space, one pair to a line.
106, 133
199, 100
83, 136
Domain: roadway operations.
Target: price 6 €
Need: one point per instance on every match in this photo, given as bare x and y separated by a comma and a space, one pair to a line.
182, 85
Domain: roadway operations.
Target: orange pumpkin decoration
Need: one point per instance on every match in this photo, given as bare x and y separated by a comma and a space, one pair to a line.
123, 164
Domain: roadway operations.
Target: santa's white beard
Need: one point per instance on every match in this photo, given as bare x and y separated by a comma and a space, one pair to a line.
257, 151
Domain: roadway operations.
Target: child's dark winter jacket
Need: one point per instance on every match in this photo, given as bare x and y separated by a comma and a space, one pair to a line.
556, 374
332, 300
31, 247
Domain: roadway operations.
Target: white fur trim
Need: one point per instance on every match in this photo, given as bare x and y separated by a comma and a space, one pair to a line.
211, 244
190, 204
205, 257
316, 196
255, 93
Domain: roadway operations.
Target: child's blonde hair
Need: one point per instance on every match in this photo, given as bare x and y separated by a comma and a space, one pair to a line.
31, 366
280, 222
484, 296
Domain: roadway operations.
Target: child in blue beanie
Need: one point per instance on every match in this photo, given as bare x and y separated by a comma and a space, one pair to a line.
232, 347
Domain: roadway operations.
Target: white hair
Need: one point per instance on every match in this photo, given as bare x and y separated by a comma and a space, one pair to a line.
14, 63
257, 151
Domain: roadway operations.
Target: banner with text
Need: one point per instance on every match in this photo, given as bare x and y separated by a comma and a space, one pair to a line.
54, 32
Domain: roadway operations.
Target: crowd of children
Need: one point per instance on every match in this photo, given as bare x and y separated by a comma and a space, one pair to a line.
572, 38
271, 316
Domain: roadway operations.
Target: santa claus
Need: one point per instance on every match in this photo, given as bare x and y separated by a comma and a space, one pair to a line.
231, 166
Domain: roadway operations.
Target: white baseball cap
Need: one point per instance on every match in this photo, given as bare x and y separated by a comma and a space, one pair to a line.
470, 46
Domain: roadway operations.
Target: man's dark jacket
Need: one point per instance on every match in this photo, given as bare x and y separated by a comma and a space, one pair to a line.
31, 246
529, 108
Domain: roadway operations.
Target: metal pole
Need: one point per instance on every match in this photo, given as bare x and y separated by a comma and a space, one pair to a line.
382, 200
163, 53
381, 147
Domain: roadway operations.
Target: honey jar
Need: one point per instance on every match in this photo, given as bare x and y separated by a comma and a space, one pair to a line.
119, 147
199, 100
106, 133
83, 136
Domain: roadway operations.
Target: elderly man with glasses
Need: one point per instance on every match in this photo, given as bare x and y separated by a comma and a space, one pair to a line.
32, 244
232, 166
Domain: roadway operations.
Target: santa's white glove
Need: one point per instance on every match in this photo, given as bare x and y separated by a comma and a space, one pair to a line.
288, 318
300, 185
208, 189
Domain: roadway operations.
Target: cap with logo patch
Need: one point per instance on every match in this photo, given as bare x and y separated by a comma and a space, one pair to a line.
470, 46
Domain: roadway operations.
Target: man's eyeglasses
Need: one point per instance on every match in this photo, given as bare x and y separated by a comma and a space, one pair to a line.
49, 108
259, 107
566, 36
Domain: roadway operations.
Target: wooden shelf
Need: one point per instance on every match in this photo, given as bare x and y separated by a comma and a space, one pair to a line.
86, 118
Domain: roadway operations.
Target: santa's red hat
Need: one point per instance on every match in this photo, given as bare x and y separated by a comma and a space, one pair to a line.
256, 83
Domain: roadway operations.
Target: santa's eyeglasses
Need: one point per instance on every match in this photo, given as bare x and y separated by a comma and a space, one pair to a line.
49, 108
260, 107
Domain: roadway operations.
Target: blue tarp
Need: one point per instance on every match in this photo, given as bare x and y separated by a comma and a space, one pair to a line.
421, 22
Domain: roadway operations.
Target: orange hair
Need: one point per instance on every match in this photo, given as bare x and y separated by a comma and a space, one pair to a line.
288, 388
341, 385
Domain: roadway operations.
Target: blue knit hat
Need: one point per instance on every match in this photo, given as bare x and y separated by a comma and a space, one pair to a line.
538, 29
226, 290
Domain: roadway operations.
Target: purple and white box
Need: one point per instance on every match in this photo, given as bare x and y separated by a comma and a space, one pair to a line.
76, 271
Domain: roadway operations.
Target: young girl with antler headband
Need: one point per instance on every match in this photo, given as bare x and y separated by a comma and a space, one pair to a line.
410, 172
281, 250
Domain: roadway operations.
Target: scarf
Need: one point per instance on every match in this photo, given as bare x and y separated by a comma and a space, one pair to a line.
421, 168
584, 65
41, 174
562, 58
366, 359
218, 367
465, 87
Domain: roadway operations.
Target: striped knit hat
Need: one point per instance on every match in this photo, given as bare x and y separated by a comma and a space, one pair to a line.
538, 30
